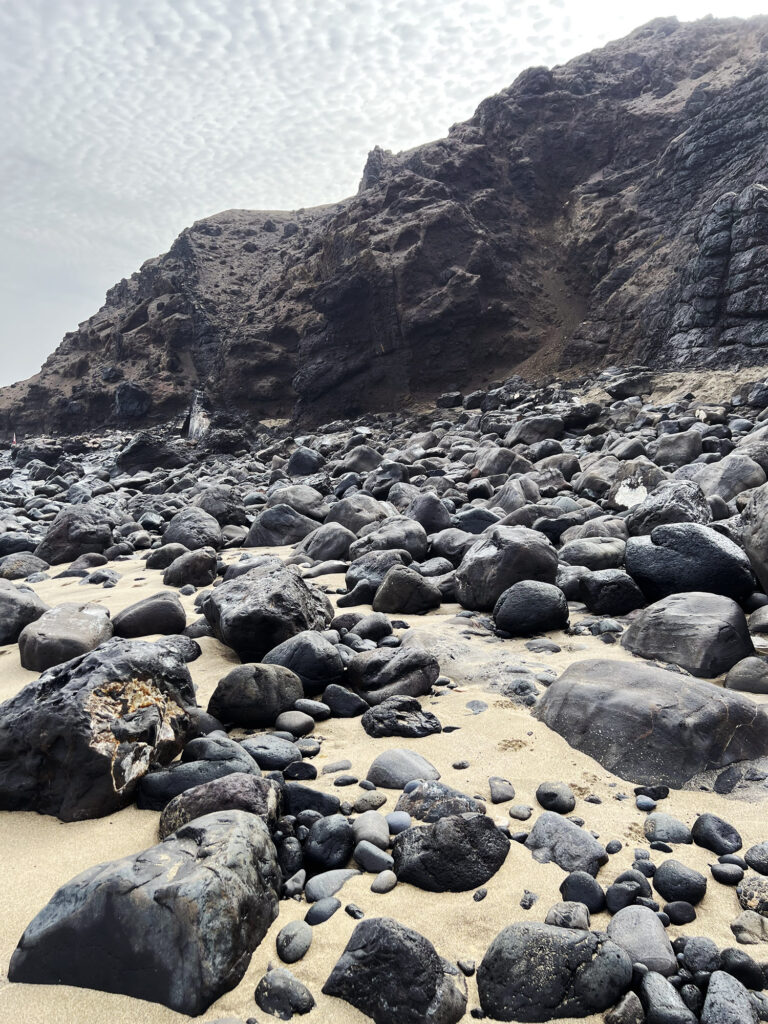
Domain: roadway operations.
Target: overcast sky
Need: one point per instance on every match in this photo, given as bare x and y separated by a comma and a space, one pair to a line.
123, 121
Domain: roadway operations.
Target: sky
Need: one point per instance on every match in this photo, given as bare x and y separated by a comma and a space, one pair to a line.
123, 121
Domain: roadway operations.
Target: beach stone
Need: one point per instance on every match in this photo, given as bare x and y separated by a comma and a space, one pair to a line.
239, 791
715, 834
295, 722
662, 1002
204, 759
503, 556
568, 915
76, 530
62, 633
191, 909
406, 591
162, 557
395, 768
628, 1010
390, 672
193, 568
750, 675
373, 828
344, 703
328, 883
727, 874
270, 752
455, 854
21, 564
684, 557
255, 612
19, 606
556, 796
253, 695
293, 941
279, 525
400, 716
322, 910
372, 858
582, 887
77, 741
753, 894
312, 658
675, 881
194, 528
282, 995
660, 827
330, 843
706, 634
327, 542
750, 928
641, 935
531, 607
384, 882
610, 592
537, 972
394, 975
432, 800
298, 798
161, 613
502, 790
728, 1002
757, 857
554, 838
630, 717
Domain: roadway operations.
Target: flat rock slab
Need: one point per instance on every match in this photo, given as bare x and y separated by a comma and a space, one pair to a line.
649, 725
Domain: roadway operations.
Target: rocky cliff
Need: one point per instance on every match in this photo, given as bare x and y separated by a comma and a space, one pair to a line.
612, 209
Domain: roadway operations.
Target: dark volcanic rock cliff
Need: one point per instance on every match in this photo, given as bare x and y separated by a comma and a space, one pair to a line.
611, 209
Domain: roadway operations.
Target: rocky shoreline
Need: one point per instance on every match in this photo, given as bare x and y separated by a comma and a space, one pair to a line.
434, 717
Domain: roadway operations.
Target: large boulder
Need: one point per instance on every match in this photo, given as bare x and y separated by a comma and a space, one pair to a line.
455, 854
194, 528
312, 658
640, 933
76, 741
253, 695
76, 530
650, 725
63, 633
755, 518
239, 791
18, 607
260, 609
674, 501
161, 613
706, 634
390, 672
539, 972
504, 555
394, 975
279, 525
686, 556
191, 911
531, 607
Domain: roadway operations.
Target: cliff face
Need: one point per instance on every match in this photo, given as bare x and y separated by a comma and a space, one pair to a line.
611, 209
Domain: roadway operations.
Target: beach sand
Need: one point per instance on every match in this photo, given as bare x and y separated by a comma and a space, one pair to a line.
40, 853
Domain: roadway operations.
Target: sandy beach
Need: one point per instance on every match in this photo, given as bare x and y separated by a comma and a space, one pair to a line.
40, 853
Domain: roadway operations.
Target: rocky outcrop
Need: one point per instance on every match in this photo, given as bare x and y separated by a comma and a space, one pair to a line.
608, 209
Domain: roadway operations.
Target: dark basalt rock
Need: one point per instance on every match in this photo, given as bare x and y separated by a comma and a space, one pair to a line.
76, 530
394, 975
191, 910
76, 742
430, 801
254, 695
18, 607
455, 854
259, 610
399, 716
236, 792
161, 613
630, 717
538, 972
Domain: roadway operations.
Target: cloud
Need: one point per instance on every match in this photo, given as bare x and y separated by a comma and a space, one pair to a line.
123, 122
